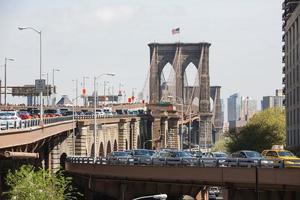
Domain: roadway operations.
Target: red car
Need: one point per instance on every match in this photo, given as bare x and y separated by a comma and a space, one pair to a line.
24, 115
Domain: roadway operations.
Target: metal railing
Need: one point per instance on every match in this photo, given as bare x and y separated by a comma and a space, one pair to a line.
20, 124
192, 162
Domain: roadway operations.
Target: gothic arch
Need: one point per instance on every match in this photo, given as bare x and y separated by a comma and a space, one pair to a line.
115, 146
108, 148
101, 150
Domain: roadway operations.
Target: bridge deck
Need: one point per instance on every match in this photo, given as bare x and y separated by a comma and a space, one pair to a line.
18, 137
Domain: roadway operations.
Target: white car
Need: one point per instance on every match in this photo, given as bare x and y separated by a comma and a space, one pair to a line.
9, 119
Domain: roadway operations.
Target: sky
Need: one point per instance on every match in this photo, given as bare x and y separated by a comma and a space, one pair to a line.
88, 38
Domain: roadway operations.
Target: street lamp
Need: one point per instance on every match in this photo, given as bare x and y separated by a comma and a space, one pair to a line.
41, 92
76, 90
47, 83
5, 77
95, 106
157, 196
53, 72
84, 91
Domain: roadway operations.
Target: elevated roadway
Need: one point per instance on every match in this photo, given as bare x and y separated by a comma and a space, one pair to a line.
130, 181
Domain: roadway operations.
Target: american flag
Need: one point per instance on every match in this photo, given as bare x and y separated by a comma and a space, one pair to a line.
175, 31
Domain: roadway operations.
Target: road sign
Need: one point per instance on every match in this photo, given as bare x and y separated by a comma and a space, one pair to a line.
40, 85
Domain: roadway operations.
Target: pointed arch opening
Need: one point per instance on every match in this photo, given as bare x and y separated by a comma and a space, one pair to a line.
167, 82
92, 150
190, 82
108, 148
101, 150
115, 145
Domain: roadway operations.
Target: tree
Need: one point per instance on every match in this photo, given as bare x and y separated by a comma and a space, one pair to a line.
221, 145
26, 183
264, 129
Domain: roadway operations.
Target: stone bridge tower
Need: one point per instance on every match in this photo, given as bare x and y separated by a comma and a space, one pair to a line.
180, 55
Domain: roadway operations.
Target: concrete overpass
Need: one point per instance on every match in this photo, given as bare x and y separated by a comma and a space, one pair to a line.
130, 181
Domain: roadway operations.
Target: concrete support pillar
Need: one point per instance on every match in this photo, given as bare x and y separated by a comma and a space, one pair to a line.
81, 142
122, 136
55, 158
123, 188
156, 133
173, 133
205, 137
164, 132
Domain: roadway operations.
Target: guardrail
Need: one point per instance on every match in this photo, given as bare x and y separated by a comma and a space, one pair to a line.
192, 162
19, 124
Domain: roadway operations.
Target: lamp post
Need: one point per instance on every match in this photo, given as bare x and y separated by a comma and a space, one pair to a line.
84, 91
41, 92
95, 107
5, 77
47, 83
76, 90
53, 72
104, 89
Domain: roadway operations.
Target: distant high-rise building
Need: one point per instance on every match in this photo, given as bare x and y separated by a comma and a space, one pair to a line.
249, 108
234, 107
291, 80
240, 110
273, 101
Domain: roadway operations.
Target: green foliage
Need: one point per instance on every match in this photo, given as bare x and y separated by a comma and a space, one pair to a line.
221, 145
265, 129
28, 184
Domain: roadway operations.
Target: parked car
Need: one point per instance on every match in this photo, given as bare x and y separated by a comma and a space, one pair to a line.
9, 119
214, 190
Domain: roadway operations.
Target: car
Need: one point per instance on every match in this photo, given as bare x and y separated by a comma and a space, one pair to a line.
70, 113
197, 154
174, 157
9, 119
215, 190
35, 113
287, 158
24, 115
140, 156
119, 157
52, 113
63, 111
246, 158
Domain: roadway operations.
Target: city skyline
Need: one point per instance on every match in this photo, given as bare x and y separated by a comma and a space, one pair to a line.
84, 39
